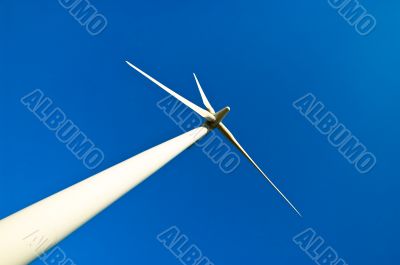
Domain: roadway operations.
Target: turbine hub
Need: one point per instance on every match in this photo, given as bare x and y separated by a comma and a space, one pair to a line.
219, 116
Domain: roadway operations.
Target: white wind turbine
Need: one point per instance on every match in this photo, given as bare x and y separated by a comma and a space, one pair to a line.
33, 230
214, 120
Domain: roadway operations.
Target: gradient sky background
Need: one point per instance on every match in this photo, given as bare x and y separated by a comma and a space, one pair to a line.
255, 56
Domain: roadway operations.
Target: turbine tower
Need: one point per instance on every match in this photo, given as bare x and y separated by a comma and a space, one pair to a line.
32, 231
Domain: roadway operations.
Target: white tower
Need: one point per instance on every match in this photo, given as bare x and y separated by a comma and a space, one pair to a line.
28, 233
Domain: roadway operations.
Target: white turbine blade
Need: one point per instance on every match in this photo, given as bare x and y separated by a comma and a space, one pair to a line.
230, 136
202, 112
203, 96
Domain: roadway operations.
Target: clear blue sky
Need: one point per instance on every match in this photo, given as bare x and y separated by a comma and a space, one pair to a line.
255, 56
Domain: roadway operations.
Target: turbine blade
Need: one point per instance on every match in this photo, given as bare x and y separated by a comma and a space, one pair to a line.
202, 112
203, 96
230, 136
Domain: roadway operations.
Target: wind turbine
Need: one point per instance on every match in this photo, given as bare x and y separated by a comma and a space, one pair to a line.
33, 230
214, 120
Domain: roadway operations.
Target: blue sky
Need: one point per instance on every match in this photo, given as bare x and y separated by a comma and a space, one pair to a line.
255, 56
